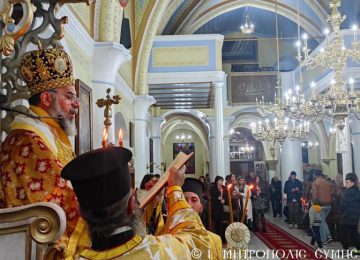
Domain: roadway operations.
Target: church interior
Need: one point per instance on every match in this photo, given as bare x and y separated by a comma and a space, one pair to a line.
251, 88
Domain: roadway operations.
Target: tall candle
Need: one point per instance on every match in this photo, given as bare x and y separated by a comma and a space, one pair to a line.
104, 138
230, 204
120, 138
246, 202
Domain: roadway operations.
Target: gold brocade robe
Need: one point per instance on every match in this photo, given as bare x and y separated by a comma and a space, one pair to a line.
31, 158
184, 237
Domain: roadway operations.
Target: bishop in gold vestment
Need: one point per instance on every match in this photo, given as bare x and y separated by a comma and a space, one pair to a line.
36, 149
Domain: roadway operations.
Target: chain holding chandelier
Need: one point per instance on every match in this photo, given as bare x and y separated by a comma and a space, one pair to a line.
338, 102
275, 127
248, 27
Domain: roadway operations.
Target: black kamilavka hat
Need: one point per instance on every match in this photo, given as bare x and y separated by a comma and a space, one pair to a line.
100, 177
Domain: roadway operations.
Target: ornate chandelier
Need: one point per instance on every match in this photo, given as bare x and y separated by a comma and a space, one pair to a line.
338, 103
247, 148
278, 130
248, 27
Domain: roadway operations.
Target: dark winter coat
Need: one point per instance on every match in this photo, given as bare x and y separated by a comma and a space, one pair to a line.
350, 206
289, 185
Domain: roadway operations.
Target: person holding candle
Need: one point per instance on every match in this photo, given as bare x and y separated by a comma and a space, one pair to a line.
234, 194
113, 215
244, 190
259, 194
217, 190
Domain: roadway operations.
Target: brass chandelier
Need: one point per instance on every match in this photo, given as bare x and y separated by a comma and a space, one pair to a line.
338, 102
247, 27
276, 125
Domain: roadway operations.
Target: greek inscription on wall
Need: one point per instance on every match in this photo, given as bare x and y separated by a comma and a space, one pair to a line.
180, 56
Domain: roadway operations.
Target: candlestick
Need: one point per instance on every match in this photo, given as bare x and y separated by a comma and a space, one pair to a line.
246, 202
104, 137
120, 138
230, 204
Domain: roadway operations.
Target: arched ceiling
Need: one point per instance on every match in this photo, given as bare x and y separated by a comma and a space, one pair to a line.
225, 16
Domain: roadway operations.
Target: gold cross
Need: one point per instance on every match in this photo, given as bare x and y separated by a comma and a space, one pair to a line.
107, 103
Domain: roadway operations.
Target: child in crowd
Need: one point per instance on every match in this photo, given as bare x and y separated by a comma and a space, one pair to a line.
315, 222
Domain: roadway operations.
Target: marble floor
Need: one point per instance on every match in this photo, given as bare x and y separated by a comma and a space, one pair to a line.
331, 250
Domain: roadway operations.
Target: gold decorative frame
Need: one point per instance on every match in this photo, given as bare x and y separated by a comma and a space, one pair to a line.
43, 223
84, 121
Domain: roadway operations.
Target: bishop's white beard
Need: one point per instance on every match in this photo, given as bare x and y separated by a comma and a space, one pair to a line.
68, 125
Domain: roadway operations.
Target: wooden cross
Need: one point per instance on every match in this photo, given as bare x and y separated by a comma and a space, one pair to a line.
107, 103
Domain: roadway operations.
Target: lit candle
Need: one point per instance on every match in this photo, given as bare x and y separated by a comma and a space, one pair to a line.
246, 202
230, 204
120, 138
355, 28
351, 81
313, 85
104, 138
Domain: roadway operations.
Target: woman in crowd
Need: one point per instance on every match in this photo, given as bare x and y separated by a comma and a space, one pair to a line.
243, 189
217, 190
259, 202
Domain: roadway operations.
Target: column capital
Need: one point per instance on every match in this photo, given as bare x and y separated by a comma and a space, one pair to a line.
141, 106
218, 84
155, 126
106, 61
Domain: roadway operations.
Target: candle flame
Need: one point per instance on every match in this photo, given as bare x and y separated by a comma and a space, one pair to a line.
229, 186
120, 134
105, 135
251, 186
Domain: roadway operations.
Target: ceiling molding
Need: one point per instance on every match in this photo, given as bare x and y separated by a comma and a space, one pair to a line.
188, 77
173, 6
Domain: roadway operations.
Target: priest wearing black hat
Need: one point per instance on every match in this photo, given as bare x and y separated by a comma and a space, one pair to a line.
193, 191
101, 181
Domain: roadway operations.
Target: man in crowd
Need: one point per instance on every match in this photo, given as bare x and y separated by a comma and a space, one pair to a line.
114, 218
36, 149
321, 192
350, 213
193, 191
293, 188
276, 196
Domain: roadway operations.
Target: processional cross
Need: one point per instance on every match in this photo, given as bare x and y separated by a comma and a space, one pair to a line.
107, 103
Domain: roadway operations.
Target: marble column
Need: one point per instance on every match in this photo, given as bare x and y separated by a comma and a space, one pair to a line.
156, 136
356, 142
103, 77
227, 122
141, 140
219, 128
291, 160
346, 151
212, 153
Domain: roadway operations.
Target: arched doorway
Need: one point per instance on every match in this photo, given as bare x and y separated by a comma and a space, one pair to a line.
246, 154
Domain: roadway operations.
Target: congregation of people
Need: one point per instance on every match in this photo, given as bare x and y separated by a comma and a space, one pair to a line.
328, 210
104, 219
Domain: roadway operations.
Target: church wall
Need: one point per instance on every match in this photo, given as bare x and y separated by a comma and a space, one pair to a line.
84, 15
